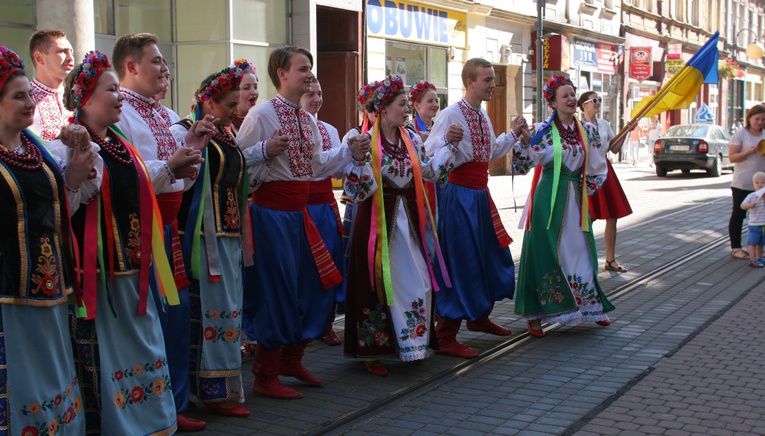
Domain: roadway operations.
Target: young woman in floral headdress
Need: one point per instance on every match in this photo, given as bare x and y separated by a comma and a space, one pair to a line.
38, 376
120, 348
213, 214
390, 277
248, 93
558, 278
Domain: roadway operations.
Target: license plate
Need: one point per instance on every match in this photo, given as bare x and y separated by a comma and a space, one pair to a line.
680, 147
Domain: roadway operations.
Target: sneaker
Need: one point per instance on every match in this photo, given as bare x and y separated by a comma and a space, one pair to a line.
756, 264
761, 261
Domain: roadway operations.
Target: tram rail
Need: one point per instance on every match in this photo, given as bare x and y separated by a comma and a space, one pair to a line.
358, 417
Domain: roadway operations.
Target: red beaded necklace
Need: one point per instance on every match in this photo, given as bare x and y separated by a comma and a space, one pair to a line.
570, 136
224, 137
112, 145
30, 160
394, 149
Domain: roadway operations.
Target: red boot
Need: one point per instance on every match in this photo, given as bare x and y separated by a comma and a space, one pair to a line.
486, 326
292, 366
266, 370
446, 331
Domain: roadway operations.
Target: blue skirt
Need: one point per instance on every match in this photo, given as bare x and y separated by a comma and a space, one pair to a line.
216, 326
326, 222
284, 303
38, 378
123, 366
175, 325
481, 272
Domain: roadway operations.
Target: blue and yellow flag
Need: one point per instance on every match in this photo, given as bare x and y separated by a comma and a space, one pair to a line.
680, 91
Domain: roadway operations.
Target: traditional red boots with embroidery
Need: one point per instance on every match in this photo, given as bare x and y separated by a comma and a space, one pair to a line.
446, 331
292, 365
266, 370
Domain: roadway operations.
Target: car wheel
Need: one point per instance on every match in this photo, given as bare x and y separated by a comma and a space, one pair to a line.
716, 168
686, 171
660, 171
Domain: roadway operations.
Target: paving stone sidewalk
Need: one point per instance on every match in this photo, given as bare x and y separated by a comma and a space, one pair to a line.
714, 384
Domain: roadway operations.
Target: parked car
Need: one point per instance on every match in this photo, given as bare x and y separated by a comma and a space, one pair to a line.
692, 146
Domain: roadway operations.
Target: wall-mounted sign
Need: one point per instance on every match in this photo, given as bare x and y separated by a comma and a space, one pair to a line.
554, 51
641, 63
606, 56
411, 21
585, 53
674, 51
672, 66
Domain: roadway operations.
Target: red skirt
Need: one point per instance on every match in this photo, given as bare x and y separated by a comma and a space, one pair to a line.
610, 200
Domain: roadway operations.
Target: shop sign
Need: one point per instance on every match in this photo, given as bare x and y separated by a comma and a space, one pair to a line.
641, 63
606, 54
672, 66
411, 21
554, 51
674, 51
585, 53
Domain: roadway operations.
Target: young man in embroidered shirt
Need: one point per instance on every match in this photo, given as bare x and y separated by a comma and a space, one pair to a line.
172, 166
288, 296
473, 241
53, 59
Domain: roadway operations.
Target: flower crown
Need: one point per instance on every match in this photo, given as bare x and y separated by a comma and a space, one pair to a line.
386, 90
418, 88
365, 93
554, 83
224, 81
86, 76
9, 62
244, 65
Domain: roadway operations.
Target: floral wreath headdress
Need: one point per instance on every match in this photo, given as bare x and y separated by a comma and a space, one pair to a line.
223, 82
9, 63
386, 90
554, 83
86, 76
365, 93
245, 66
418, 88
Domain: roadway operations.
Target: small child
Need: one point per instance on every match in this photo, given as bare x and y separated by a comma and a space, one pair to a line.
756, 206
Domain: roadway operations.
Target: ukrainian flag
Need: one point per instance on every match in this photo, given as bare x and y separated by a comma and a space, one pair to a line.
680, 91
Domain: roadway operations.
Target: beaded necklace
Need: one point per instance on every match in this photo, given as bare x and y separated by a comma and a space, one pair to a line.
112, 146
224, 137
569, 136
393, 149
29, 160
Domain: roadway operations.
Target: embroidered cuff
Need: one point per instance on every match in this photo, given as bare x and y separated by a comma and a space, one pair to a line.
453, 148
73, 191
170, 174
263, 150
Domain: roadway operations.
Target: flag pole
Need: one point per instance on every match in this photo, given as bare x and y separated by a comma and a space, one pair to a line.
654, 101
659, 95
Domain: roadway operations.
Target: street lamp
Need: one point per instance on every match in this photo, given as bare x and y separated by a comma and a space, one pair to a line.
754, 51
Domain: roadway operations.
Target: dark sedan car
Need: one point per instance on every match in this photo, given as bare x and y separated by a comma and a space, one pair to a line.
692, 146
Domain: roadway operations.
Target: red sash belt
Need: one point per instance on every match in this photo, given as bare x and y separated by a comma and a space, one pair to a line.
321, 193
475, 175
169, 205
293, 196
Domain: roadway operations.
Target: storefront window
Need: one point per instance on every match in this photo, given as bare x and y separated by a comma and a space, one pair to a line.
201, 20
416, 62
261, 20
103, 16
16, 26
195, 62
18, 12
